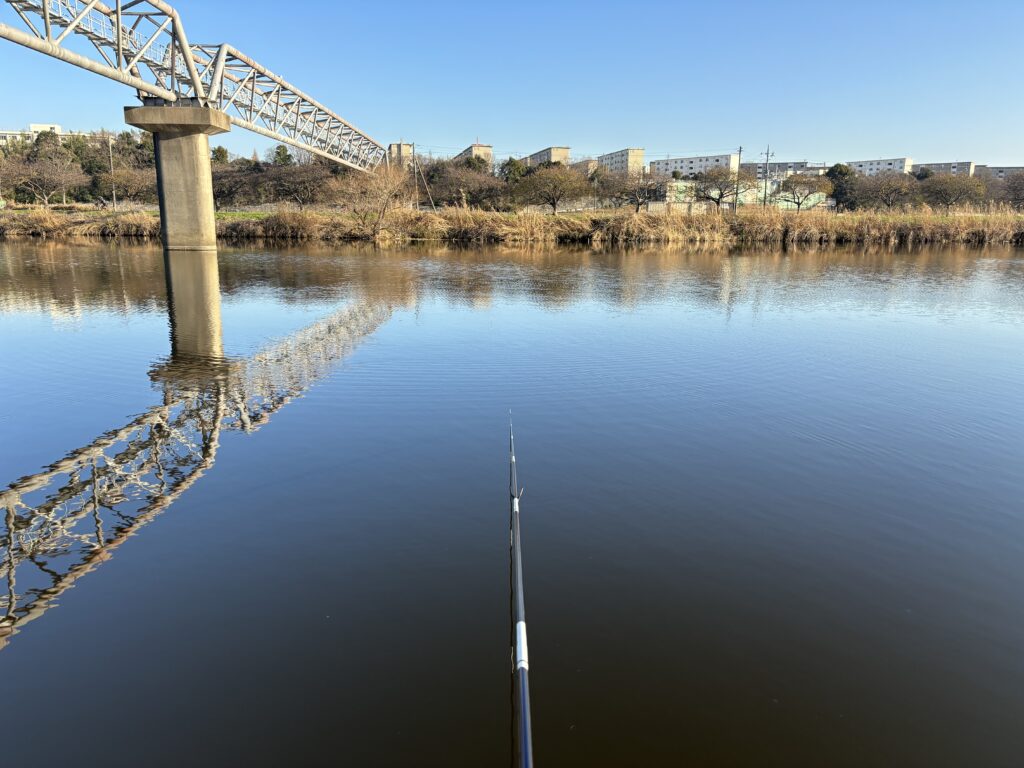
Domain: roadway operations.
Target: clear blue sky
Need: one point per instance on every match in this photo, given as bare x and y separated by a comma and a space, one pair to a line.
823, 81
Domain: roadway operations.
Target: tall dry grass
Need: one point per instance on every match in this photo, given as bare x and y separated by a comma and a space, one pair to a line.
753, 226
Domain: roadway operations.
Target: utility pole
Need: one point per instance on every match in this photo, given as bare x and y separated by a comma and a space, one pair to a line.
739, 162
415, 181
768, 155
113, 187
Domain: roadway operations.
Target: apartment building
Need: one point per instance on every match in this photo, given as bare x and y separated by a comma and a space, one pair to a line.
548, 155
999, 172
781, 170
15, 137
400, 155
687, 166
628, 161
483, 151
875, 167
586, 167
956, 168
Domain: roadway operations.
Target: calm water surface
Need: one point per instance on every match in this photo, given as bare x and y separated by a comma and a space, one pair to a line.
773, 514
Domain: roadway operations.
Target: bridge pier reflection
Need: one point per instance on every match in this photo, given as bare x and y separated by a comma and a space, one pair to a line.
193, 303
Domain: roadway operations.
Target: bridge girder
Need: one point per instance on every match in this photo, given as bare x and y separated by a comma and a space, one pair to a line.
143, 44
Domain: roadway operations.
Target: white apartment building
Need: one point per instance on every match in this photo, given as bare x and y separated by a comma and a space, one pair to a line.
14, 137
875, 167
688, 166
628, 161
781, 170
956, 168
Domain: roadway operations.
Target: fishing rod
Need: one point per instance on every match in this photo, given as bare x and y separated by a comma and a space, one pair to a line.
523, 746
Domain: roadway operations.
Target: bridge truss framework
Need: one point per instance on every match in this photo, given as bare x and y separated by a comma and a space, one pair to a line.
143, 44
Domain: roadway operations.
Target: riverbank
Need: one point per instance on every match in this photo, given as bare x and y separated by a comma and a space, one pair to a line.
755, 227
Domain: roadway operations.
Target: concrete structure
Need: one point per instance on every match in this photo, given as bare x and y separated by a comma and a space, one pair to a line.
14, 137
400, 155
688, 166
875, 167
548, 155
781, 170
181, 137
629, 161
483, 151
999, 172
956, 168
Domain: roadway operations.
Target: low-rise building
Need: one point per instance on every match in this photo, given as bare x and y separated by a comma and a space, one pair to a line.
483, 151
875, 167
999, 172
629, 161
688, 166
956, 168
548, 155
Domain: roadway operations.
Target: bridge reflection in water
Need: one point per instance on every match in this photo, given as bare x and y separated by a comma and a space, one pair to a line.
61, 523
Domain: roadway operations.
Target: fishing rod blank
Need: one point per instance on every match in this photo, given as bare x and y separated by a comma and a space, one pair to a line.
523, 747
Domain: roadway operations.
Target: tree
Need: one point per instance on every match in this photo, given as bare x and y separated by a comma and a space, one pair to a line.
137, 184
220, 156
302, 184
719, 185
462, 183
844, 180
552, 185
48, 169
890, 189
280, 156
923, 173
371, 195
636, 189
801, 188
512, 170
947, 189
1014, 189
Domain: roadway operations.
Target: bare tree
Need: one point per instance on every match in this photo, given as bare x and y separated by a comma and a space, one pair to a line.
371, 195
947, 189
636, 189
720, 185
49, 173
1013, 188
137, 184
801, 188
552, 186
890, 189
303, 184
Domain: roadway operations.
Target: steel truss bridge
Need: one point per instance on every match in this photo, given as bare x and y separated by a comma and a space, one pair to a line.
65, 521
143, 44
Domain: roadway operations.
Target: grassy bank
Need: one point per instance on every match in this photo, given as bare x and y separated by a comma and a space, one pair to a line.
754, 227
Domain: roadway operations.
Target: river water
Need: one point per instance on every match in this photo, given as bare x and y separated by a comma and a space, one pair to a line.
773, 510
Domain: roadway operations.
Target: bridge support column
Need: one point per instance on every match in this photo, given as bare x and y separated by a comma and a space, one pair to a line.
181, 136
193, 300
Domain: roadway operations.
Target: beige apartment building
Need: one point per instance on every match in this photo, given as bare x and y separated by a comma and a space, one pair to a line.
875, 167
999, 172
400, 155
688, 166
956, 168
628, 161
483, 151
548, 155
586, 167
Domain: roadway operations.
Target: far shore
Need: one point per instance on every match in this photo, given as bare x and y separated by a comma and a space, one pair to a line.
613, 227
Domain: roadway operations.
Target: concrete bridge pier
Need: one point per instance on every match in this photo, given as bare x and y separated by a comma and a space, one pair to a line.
193, 300
181, 136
